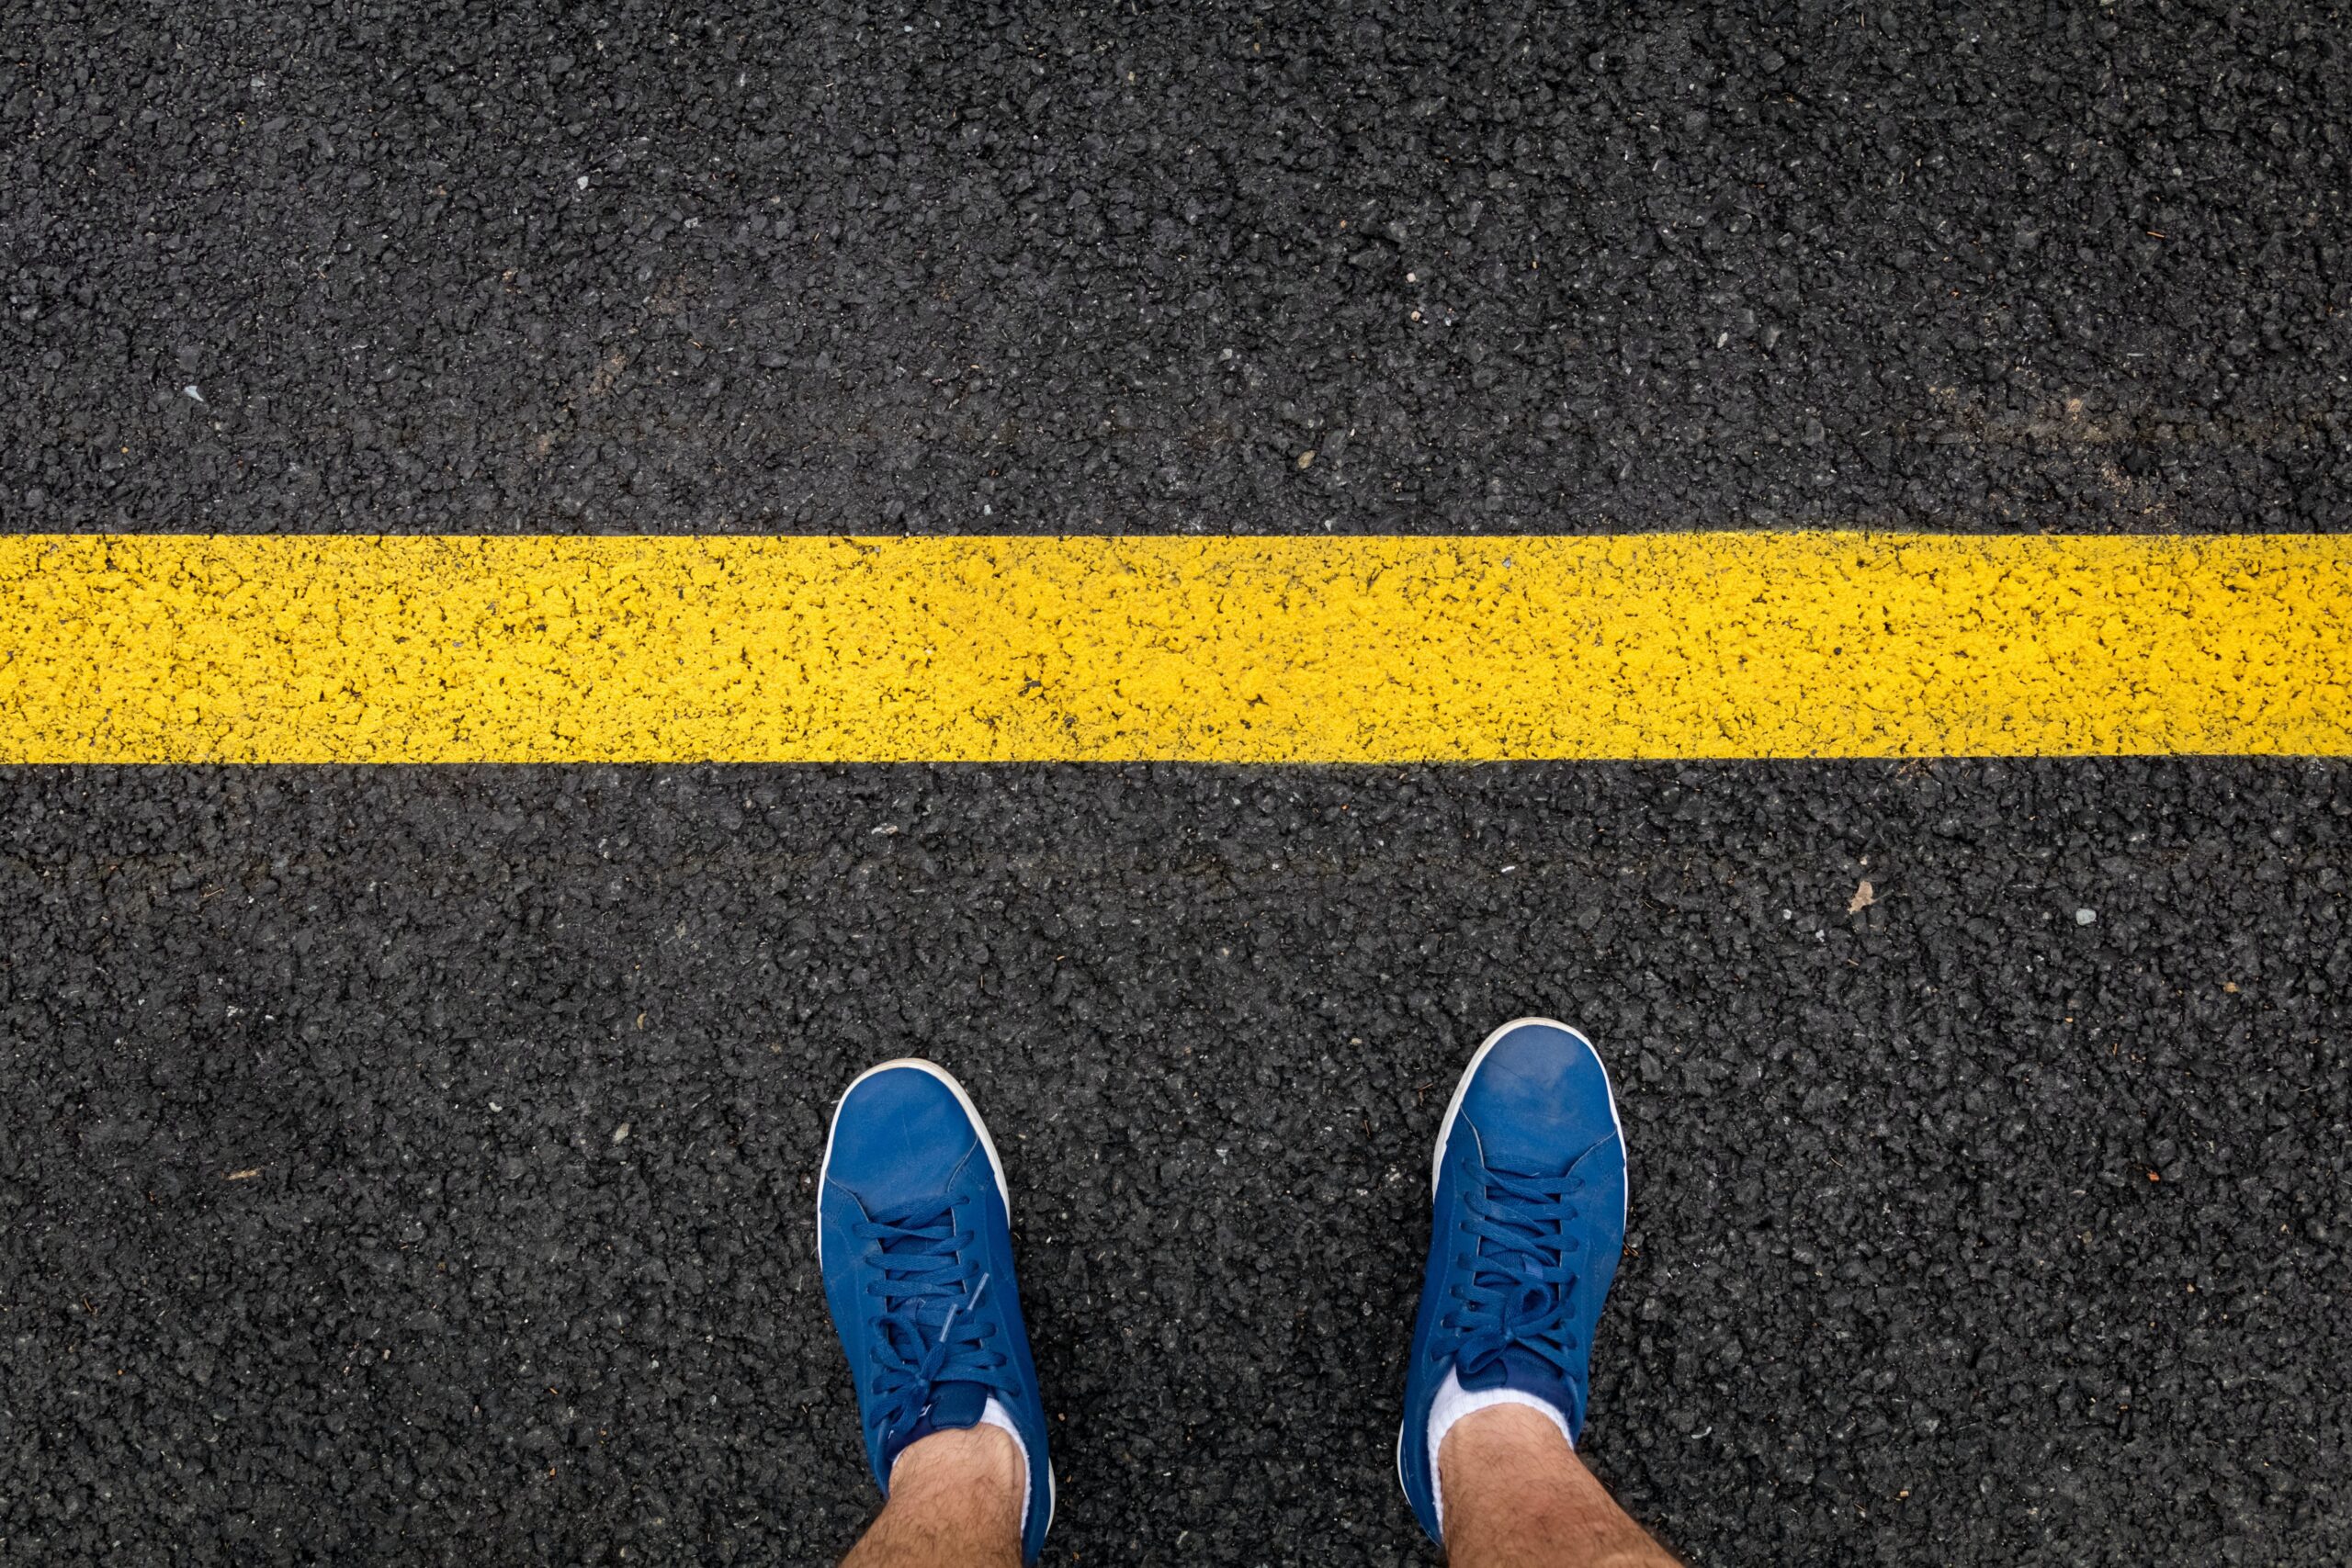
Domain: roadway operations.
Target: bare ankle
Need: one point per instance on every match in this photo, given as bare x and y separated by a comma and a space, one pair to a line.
980, 1460
1511, 1442
956, 1499
1515, 1495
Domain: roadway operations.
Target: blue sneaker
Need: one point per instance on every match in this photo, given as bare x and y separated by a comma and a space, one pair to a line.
1530, 1184
913, 1235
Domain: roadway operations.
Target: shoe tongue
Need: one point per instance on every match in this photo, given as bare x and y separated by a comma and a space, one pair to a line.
954, 1405
1517, 1367
1524, 1372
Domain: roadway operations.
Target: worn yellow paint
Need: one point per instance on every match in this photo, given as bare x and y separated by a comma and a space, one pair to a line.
174, 648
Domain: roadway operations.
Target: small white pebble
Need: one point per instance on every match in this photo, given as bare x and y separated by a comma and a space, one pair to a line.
620, 1133
2085, 916
582, 182
191, 391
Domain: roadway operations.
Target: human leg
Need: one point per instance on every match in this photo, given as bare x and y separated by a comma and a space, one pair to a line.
1516, 1497
955, 1501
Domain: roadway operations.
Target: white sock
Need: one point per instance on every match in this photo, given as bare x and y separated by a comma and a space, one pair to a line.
994, 1414
1452, 1403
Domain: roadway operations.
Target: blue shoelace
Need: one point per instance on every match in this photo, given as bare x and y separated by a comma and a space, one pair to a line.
1522, 1278
925, 1332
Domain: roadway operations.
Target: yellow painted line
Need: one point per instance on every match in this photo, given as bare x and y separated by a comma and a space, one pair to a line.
173, 649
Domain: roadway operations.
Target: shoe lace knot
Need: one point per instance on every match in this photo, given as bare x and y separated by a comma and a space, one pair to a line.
925, 1329
1522, 1273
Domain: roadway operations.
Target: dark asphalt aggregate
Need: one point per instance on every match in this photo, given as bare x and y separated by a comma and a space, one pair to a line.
1963, 1231
955, 268
414, 1166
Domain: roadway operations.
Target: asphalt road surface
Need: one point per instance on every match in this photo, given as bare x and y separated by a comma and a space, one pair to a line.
414, 1165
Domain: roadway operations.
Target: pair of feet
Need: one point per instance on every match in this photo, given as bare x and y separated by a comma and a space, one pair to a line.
1529, 1189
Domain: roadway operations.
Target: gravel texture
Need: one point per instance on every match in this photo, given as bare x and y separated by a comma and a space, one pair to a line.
944, 269
415, 1165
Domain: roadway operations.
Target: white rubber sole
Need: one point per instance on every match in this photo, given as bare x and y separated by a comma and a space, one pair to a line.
996, 1164
1445, 1133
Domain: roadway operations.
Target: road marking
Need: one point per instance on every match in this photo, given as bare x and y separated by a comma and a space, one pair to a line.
317, 649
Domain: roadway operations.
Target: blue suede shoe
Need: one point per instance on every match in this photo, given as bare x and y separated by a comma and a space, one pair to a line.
1530, 1189
913, 1236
